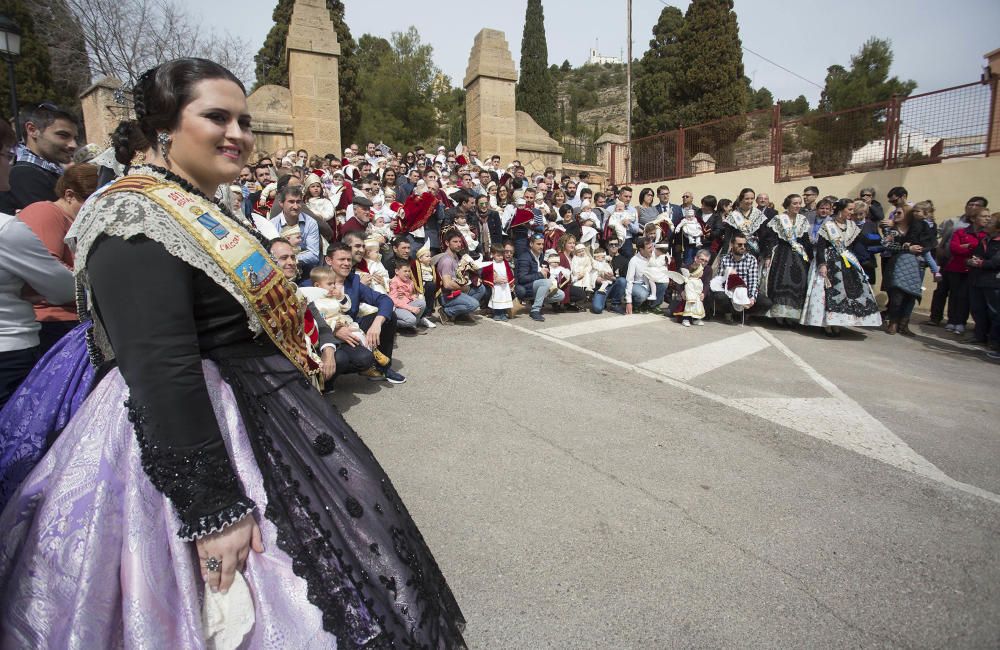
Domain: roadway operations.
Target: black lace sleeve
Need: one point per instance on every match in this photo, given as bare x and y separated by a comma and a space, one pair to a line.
821, 251
145, 298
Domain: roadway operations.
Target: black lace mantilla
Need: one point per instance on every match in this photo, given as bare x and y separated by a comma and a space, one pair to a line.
201, 484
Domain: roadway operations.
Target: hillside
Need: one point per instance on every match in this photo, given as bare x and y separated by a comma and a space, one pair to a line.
596, 93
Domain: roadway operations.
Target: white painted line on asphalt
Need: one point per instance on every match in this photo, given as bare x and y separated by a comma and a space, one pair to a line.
838, 420
692, 362
827, 385
597, 325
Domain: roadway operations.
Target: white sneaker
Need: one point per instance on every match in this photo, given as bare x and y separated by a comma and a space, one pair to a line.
426, 322
959, 329
949, 327
686, 323
699, 323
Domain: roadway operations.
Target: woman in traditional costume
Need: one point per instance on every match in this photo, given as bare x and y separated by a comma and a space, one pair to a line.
745, 219
785, 251
839, 294
205, 471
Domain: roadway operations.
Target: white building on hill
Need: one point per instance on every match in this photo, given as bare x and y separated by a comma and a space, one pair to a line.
598, 59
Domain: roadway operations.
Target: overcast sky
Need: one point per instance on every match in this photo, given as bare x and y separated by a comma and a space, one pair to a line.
938, 43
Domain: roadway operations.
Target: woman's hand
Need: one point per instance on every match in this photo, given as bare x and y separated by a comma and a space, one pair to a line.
916, 249
231, 546
821, 270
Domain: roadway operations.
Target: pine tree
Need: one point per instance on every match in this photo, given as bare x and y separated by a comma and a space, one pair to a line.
707, 79
272, 62
653, 75
834, 139
794, 107
535, 89
32, 73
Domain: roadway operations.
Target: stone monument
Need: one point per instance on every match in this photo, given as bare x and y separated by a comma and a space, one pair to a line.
489, 97
313, 78
493, 123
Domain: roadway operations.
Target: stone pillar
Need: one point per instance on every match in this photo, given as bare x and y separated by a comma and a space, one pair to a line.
102, 111
490, 117
993, 67
313, 78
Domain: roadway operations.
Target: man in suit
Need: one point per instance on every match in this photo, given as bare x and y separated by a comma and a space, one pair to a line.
664, 205
379, 328
533, 278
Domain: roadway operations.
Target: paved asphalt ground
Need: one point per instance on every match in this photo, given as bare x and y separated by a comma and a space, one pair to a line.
592, 482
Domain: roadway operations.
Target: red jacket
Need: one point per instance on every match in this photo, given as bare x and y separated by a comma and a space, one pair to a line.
963, 242
486, 274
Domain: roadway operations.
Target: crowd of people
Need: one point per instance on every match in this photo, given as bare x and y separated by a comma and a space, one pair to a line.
477, 235
209, 285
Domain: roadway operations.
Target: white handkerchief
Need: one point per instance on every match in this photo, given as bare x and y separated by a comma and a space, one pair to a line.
228, 617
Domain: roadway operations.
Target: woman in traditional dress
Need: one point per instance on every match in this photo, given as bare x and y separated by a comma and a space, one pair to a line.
205, 459
838, 293
745, 219
785, 251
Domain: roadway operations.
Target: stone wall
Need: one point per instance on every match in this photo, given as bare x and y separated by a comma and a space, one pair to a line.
535, 147
102, 112
271, 108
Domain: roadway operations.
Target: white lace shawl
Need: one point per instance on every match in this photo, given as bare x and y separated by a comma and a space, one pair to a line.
127, 215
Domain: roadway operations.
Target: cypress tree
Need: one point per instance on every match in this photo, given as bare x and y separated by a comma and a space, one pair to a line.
272, 63
707, 76
535, 90
32, 73
653, 75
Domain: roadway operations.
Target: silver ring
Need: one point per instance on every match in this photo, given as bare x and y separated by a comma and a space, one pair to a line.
213, 564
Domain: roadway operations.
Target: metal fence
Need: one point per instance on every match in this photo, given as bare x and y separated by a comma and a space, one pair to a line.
579, 152
902, 132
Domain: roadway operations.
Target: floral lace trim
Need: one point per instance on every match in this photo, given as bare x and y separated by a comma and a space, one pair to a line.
216, 522
201, 484
127, 215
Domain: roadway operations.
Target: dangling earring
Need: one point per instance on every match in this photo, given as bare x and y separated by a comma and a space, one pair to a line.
163, 139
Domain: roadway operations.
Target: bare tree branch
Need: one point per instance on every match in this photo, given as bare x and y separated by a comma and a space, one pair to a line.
126, 37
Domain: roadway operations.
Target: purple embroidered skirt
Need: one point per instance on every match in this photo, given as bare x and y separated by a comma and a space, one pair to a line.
42, 406
90, 557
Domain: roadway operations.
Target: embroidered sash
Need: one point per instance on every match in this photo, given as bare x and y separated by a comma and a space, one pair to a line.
840, 240
280, 310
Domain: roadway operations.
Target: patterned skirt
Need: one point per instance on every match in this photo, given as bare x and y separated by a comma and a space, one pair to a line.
42, 406
848, 301
90, 556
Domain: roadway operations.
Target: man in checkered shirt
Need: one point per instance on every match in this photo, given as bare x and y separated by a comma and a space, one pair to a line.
746, 266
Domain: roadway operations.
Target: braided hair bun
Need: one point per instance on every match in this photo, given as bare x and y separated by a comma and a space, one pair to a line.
159, 96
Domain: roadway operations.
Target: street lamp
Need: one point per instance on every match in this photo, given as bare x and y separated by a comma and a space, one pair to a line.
10, 49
